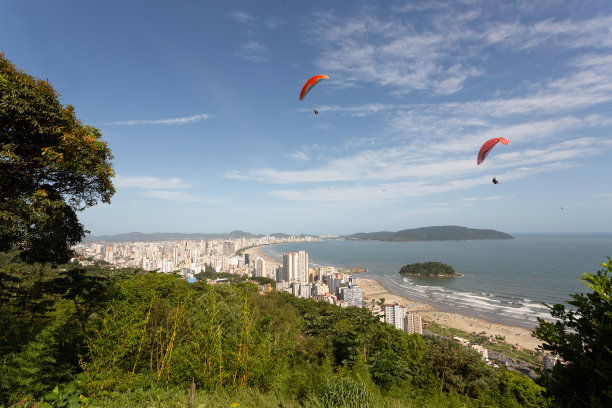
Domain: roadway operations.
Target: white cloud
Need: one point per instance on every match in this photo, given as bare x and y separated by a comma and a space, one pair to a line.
299, 155
374, 195
274, 22
253, 51
241, 16
605, 197
172, 121
148, 182
442, 58
169, 195
355, 111
427, 162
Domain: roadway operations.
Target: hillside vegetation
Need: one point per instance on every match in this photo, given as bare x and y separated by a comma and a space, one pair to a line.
131, 338
441, 233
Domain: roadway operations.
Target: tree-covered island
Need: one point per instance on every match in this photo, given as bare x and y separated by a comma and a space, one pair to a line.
429, 269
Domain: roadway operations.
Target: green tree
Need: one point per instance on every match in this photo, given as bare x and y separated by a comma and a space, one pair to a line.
520, 391
582, 337
51, 167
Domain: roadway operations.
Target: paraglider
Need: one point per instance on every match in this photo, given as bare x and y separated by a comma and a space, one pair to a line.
310, 84
494, 180
487, 146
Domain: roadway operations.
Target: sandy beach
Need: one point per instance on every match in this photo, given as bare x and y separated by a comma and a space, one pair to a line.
374, 290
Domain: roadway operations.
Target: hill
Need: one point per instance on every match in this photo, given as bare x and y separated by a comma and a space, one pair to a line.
167, 236
438, 233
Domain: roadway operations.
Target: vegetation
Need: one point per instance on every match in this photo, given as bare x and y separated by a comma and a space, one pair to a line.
52, 166
582, 337
533, 358
110, 338
210, 274
443, 233
434, 269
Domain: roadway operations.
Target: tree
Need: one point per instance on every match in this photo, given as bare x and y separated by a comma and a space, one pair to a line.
582, 337
51, 167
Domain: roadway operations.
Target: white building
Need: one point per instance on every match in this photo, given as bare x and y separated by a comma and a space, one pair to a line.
483, 351
260, 267
352, 295
295, 266
395, 314
413, 324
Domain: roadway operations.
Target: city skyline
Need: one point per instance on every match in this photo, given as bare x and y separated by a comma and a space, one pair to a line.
199, 104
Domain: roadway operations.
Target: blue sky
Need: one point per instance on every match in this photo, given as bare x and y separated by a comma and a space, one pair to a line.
198, 101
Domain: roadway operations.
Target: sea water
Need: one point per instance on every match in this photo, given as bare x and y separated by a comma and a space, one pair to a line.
504, 281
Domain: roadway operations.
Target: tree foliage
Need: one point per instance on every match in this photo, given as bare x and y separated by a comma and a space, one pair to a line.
51, 167
428, 269
582, 336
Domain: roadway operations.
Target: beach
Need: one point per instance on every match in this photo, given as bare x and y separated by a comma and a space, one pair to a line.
374, 290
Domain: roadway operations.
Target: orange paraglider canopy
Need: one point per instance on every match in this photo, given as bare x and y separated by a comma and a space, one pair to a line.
487, 146
310, 83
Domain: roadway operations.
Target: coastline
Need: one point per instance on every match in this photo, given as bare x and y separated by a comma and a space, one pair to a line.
373, 290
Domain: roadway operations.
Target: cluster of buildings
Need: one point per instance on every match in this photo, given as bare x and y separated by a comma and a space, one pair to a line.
190, 257
187, 256
296, 277
395, 314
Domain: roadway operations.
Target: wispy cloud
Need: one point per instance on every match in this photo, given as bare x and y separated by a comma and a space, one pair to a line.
269, 22
252, 51
299, 155
170, 195
167, 189
605, 197
240, 16
442, 58
372, 195
355, 111
172, 121
148, 182
412, 161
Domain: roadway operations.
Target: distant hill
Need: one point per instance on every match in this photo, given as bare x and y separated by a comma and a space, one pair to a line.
166, 236
439, 233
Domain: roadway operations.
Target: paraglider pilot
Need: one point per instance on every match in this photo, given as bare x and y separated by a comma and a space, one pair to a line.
494, 180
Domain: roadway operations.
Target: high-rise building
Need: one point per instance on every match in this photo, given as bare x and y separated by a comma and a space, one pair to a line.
109, 255
295, 266
352, 295
413, 324
395, 314
260, 267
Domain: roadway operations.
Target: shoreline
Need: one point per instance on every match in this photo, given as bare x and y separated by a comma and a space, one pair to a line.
373, 290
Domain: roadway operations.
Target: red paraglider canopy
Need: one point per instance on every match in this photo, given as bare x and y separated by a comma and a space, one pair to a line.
310, 83
487, 146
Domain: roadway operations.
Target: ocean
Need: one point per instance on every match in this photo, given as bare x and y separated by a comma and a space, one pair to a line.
504, 281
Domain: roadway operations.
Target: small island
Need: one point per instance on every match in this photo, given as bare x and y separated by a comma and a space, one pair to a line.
429, 269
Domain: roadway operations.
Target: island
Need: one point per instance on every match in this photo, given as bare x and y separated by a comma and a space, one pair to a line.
439, 233
429, 269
